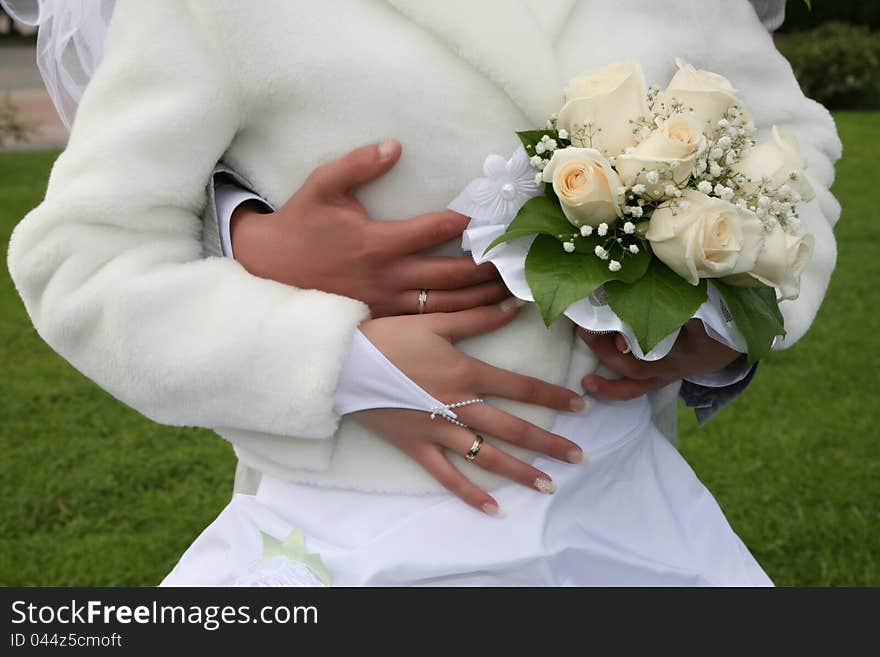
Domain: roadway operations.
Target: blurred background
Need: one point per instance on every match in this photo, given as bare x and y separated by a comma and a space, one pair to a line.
93, 494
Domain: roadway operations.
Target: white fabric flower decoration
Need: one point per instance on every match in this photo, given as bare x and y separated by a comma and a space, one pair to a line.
507, 185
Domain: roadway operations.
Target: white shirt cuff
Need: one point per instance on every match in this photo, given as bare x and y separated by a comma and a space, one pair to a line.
227, 198
733, 373
370, 380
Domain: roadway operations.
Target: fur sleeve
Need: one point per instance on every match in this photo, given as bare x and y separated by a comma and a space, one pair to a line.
817, 134
110, 266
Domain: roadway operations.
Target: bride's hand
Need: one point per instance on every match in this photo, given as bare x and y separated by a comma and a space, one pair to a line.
323, 239
421, 346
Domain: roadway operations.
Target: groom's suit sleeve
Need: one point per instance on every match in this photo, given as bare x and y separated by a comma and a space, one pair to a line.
708, 400
111, 266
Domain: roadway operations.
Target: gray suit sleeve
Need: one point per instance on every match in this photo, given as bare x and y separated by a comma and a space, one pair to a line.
706, 402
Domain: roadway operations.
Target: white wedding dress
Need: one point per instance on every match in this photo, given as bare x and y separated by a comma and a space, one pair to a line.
634, 515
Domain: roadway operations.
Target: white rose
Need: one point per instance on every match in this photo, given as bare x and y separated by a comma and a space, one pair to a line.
777, 160
586, 186
711, 238
780, 264
607, 100
709, 94
673, 146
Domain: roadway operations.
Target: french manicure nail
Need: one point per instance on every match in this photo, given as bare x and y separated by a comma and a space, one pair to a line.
545, 485
577, 404
510, 304
576, 456
386, 149
491, 509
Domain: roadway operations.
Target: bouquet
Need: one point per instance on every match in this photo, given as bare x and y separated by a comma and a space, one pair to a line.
636, 209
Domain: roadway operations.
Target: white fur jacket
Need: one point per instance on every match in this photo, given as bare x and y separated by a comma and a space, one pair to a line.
111, 267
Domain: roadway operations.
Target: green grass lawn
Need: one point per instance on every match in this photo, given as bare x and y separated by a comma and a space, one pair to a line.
94, 494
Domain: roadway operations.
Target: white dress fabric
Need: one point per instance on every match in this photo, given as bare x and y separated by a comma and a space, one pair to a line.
634, 515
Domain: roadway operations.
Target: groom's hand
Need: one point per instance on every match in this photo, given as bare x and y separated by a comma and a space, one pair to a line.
694, 353
323, 239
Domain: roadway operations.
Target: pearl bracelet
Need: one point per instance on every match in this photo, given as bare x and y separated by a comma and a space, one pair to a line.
440, 410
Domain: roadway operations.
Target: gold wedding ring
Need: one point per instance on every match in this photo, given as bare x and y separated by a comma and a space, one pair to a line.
423, 299
475, 448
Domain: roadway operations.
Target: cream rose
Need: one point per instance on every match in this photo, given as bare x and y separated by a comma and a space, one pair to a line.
710, 238
780, 264
585, 184
605, 102
709, 94
776, 160
673, 146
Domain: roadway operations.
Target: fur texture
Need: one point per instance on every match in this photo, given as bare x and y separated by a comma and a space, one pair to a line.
111, 267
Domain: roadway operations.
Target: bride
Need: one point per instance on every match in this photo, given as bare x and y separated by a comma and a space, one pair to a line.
347, 413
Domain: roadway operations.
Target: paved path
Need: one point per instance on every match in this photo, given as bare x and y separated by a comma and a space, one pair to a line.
21, 83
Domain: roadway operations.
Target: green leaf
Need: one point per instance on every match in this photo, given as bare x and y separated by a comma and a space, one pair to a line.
756, 314
538, 216
657, 304
558, 279
809, 4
